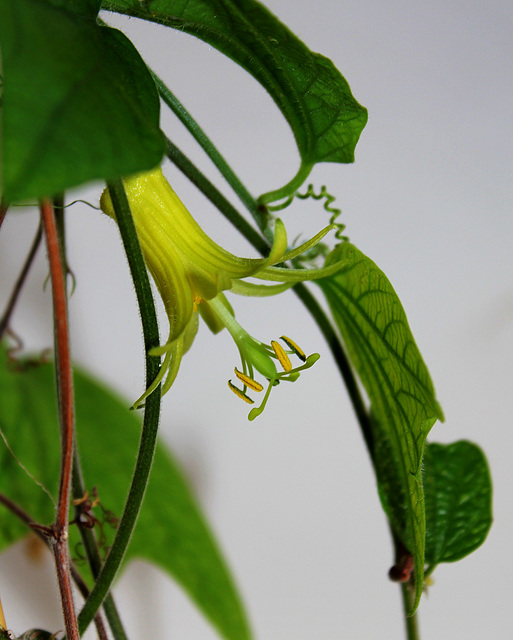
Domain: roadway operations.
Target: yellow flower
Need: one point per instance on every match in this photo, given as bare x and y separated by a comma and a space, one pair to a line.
191, 271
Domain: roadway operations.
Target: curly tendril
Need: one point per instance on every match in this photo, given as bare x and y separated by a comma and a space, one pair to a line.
323, 194
329, 199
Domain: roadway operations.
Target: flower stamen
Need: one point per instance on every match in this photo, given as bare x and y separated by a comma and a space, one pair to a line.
283, 358
239, 393
248, 382
292, 345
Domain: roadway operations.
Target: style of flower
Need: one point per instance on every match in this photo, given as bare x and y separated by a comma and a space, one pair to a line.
191, 272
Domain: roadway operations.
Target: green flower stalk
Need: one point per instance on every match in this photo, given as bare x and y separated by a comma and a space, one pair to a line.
191, 271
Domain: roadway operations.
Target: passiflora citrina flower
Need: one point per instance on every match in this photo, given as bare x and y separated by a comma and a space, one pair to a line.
191, 271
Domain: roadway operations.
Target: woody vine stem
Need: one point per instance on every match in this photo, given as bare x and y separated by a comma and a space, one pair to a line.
66, 418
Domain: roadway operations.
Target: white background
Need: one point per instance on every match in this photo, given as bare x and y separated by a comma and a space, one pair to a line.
292, 496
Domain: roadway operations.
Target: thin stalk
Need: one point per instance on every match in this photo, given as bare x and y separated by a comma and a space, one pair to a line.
210, 149
77, 482
66, 417
151, 412
412, 632
342, 362
93, 553
179, 159
289, 189
77, 578
4, 322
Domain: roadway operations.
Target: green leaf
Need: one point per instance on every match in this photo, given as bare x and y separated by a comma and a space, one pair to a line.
171, 531
78, 101
311, 93
458, 499
378, 339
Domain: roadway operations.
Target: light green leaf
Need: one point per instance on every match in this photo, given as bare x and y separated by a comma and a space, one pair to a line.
171, 531
78, 102
311, 93
381, 347
458, 498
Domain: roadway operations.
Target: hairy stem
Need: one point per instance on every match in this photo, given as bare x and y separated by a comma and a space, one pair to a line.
210, 149
77, 578
151, 412
77, 482
4, 322
179, 159
66, 417
412, 632
93, 554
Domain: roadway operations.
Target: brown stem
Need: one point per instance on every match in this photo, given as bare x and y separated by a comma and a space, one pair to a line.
66, 416
39, 532
4, 322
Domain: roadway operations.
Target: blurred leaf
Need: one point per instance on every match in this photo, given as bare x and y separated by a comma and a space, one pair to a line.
171, 531
381, 347
311, 93
78, 101
458, 499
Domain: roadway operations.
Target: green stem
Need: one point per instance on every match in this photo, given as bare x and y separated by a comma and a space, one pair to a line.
210, 149
151, 413
197, 178
342, 362
93, 553
412, 632
287, 190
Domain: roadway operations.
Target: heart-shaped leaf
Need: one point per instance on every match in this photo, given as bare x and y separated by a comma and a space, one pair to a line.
78, 101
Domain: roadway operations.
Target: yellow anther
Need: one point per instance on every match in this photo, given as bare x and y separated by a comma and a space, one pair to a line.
239, 393
281, 355
249, 382
196, 302
292, 345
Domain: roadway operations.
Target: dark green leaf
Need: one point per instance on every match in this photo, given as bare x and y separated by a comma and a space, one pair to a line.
312, 94
88, 8
78, 101
171, 531
378, 339
458, 498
